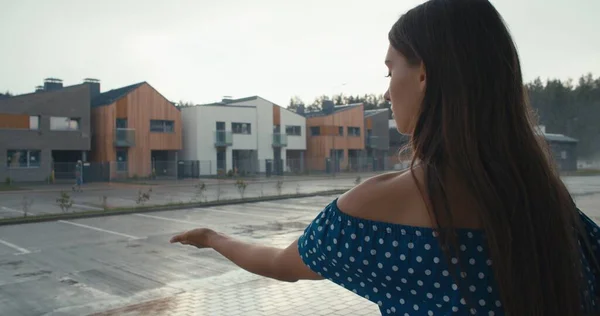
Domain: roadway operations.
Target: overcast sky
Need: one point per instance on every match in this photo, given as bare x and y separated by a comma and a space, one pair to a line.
201, 50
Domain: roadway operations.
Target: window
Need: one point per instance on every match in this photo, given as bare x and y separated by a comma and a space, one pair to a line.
353, 131
315, 130
121, 123
64, 124
34, 122
162, 126
563, 154
241, 128
293, 130
341, 131
23, 158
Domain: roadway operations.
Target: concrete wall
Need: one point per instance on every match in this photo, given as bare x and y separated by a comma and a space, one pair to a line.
73, 102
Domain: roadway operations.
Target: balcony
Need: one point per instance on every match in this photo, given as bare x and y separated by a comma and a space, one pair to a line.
223, 138
280, 140
371, 141
124, 137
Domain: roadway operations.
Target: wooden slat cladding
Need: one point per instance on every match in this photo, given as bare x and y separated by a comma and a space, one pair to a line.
276, 115
103, 131
318, 147
122, 108
138, 107
369, 123
14, 121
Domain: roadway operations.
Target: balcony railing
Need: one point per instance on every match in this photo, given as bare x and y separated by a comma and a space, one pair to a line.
280, 140
124, 137
223, 138
371, 141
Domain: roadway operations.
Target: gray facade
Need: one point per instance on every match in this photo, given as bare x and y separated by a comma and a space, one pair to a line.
377, 138
564, 151
39, 140
380, 137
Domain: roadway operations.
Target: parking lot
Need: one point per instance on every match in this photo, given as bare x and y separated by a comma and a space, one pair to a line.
96, 196
79, 267
124, 265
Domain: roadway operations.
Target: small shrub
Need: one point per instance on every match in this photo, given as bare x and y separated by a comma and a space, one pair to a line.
200, 191
8, 181
230, 173
279, 186
143, 197
26, 203
241, 185
104, 202
64, 201
219, 190
358, 180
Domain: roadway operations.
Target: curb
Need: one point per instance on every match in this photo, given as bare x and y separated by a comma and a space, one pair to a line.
226, 181
157, 208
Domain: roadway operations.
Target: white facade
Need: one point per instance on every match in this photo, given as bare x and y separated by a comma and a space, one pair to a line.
265, 122
200, 125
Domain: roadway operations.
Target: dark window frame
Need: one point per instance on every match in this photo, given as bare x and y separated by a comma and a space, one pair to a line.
315, 128
293, 130
241, 128
166, 126
28, 164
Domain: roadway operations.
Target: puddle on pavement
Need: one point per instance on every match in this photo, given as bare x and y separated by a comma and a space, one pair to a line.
31, 274
272, 226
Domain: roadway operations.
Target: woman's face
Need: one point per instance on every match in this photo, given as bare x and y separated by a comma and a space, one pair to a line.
406, 90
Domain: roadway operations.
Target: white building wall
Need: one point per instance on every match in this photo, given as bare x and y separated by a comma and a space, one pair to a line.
199, 130
264, 111
291, 118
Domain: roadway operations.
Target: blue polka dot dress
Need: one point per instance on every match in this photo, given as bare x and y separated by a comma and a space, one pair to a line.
402, 268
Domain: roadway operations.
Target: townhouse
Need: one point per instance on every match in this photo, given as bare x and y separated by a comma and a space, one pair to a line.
122, 133
45, 130
244, 136
335, 138
137, 131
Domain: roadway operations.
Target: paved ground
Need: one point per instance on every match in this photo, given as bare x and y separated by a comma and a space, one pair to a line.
42, 200
124, 265
87, 266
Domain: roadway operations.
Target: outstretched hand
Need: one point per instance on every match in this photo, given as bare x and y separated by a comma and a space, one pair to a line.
199, 237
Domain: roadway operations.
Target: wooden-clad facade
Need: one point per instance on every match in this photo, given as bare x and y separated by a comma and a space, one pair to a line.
334, 138
123, 135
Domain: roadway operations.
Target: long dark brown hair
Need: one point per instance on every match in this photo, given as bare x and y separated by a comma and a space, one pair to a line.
475, 123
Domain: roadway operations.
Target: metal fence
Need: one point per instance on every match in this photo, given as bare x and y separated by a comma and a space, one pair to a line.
65, 172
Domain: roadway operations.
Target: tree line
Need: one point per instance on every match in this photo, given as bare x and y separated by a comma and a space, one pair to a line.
563, 106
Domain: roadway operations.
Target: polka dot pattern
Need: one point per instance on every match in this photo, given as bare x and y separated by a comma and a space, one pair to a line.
403, 269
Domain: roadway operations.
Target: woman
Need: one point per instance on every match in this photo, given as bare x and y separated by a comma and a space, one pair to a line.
481, 223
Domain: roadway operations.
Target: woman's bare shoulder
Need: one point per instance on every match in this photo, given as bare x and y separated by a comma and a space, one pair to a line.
391, 197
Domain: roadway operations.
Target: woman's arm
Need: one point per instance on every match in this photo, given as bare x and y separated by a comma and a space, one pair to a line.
276, 263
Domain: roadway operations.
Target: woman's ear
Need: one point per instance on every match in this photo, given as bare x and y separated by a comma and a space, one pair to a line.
422, 77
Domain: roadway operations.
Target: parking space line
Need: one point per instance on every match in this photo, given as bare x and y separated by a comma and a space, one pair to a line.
165, 219
15, 247
8, 209
216, 210
288, 206
99, 229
